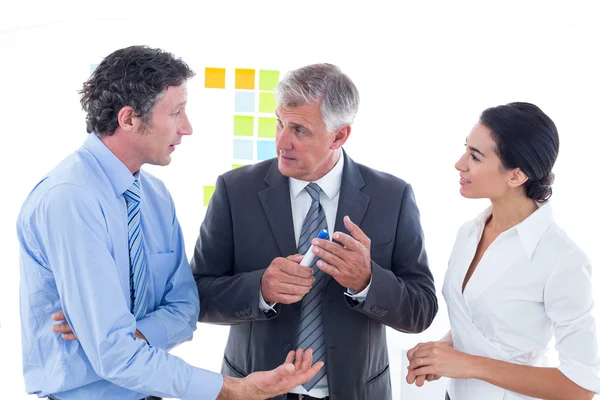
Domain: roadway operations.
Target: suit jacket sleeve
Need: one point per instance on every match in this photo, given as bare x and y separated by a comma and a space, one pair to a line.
225, 297
403, 297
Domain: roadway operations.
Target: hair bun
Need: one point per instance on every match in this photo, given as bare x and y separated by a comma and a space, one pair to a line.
541, 190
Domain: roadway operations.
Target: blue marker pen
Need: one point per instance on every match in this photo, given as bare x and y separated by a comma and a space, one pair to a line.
310, 256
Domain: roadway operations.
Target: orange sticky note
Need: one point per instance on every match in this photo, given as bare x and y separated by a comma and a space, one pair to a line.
244, 78
214, 78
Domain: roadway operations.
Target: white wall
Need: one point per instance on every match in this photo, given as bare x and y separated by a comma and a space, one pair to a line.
425, 71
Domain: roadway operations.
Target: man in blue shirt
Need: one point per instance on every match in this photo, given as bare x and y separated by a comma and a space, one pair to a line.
99, 239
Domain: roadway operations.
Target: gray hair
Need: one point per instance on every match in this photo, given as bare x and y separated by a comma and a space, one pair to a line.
321, 83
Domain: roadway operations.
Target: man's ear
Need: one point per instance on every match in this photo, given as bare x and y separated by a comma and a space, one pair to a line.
341, 135
127, 119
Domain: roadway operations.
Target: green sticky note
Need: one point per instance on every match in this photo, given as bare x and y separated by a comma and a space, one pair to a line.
208, 192
234, 166
266, 102
266, 127
268, 79
243, 125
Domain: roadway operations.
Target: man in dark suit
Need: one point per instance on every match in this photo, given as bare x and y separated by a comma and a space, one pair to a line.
374, 273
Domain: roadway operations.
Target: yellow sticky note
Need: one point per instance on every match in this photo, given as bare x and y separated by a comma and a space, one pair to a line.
214, 78
244, 78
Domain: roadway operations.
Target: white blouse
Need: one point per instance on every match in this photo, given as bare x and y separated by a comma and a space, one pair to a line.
532, 283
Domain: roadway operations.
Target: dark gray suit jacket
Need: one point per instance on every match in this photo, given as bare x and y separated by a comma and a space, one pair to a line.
249, 223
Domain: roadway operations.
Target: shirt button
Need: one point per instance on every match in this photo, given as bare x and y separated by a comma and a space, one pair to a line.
287, 347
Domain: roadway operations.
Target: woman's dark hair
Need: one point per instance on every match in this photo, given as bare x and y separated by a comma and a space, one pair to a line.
526, 138
135, 76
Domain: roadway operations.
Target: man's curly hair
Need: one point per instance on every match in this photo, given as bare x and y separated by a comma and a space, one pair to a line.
135, 76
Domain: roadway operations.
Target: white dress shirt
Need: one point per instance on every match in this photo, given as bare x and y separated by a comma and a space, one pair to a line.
532, 283
330, 185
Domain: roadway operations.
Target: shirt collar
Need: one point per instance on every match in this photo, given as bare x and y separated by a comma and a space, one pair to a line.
533, 227
117, 173
329, 183
529, 231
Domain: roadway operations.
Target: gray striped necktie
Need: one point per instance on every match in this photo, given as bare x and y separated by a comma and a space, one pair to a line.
310, 333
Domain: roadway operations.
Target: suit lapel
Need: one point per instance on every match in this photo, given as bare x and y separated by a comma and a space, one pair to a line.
276, 203
353, 202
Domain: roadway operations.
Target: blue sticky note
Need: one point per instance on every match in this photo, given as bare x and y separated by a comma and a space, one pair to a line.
92, 68
265, 149
244, 101
243, 149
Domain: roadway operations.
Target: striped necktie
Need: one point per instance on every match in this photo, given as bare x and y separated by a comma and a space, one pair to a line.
310, 333
137, 258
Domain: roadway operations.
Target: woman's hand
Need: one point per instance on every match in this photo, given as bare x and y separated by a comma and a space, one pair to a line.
430, 361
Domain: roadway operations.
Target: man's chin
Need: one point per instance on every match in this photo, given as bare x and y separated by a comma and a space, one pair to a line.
162, 162
285, 169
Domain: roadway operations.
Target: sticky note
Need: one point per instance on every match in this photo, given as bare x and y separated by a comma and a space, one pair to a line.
214, 78
266, 102
265, 149
208, 192
268, 79
244, 78
266, 127
243, 149
244, 101
243, 125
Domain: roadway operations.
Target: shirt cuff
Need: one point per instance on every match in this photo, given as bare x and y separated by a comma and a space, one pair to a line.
204, 385
262, 304
586, 376
362, 296
153, 331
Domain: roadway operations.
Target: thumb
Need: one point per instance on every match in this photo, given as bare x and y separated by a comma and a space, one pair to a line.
58, 316
355, 231
283, 371
295, 258
409, 354
289, 368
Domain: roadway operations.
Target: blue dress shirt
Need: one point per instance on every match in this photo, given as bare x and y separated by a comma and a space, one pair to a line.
74, 257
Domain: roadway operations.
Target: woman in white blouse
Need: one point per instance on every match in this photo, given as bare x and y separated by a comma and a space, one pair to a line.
514, 278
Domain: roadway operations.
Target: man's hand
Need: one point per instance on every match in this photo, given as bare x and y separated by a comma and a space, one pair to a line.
64, 328
67, 332
266, 384
140, 335
349, 265
285, 281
